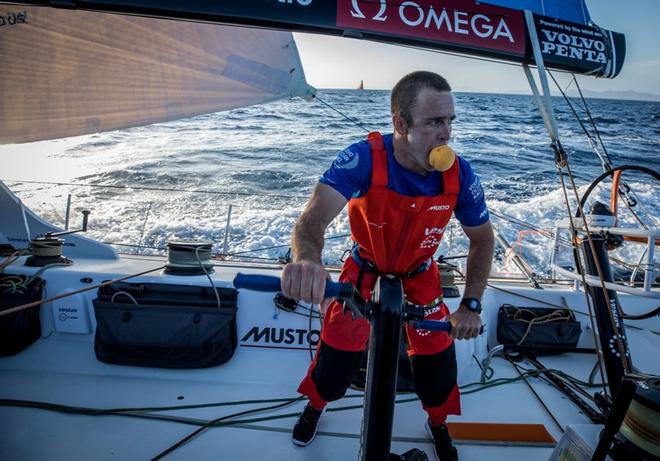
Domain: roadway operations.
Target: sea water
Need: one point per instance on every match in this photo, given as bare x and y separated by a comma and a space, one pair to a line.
265, 160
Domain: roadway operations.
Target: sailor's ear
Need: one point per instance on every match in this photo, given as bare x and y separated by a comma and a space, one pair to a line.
400, 124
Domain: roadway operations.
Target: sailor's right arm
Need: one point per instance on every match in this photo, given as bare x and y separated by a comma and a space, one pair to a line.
305, 277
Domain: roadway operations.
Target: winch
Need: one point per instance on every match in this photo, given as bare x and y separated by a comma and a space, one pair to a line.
48, 249
632, 430
189, 257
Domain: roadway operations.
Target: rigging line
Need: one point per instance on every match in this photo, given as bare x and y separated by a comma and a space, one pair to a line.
235, 253
578, 265
354, 121
144, 225
538, 398
566, 376
208, 276
628, 265
605, 164
414, 398
136, 411
214, 255
632, 212
593, 124
568, 380
653, 313
217, 420
546, 303
157, 189
133, 245
514, 220
146, 412
245, 259
566, 386
570, 82
627, 192
446, 258
312, 314
81, 290
282, 246
11, 259
530, 298
90, 411
619, 344
520, 222
582, 272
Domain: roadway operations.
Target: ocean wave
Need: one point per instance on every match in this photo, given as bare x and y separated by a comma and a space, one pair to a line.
266, 160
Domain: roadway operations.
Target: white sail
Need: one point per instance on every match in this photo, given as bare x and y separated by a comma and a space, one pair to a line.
76, 72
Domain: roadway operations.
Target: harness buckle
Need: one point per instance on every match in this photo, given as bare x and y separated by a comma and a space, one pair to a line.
368, 266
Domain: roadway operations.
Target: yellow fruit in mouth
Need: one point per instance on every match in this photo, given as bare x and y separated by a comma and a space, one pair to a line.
442, 158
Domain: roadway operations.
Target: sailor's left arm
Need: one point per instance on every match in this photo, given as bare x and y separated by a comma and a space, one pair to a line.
479, 259
466, 323
472, 212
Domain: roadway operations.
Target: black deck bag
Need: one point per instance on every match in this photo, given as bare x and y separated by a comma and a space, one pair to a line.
22, 328
536, 327
168, 326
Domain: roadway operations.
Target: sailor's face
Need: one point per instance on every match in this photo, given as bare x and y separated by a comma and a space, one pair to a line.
432, 118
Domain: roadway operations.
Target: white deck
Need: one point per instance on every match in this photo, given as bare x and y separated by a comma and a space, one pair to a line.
61, 368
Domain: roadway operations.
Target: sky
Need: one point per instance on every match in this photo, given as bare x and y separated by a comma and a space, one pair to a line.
333, 62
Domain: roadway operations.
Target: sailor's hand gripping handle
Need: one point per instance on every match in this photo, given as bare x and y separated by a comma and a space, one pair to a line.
269, 283
341, 291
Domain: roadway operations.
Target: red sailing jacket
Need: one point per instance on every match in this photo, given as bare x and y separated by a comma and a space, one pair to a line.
397, 232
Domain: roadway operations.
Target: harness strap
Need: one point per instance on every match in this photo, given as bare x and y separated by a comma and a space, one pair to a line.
369, 266
379, 159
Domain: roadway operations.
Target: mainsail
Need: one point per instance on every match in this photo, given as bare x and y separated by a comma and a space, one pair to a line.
69, 73
73, 72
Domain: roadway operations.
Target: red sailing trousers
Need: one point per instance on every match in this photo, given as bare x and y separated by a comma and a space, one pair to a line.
347, 339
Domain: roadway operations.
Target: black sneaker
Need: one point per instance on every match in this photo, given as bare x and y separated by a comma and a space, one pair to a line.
305, 428
444, 447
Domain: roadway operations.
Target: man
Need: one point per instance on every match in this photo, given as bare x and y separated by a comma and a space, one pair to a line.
399, 207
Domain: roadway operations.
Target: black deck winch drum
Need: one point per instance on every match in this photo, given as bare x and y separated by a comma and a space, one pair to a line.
19, 329
189, 257
165, 326
639, 434
539, 328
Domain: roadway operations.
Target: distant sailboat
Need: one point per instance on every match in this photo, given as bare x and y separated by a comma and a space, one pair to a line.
361, 87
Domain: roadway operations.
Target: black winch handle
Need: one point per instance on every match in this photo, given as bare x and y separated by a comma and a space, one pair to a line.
269, 283
438, 325
342, 291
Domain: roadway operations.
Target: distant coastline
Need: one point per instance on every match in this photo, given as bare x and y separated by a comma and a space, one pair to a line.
627, 95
